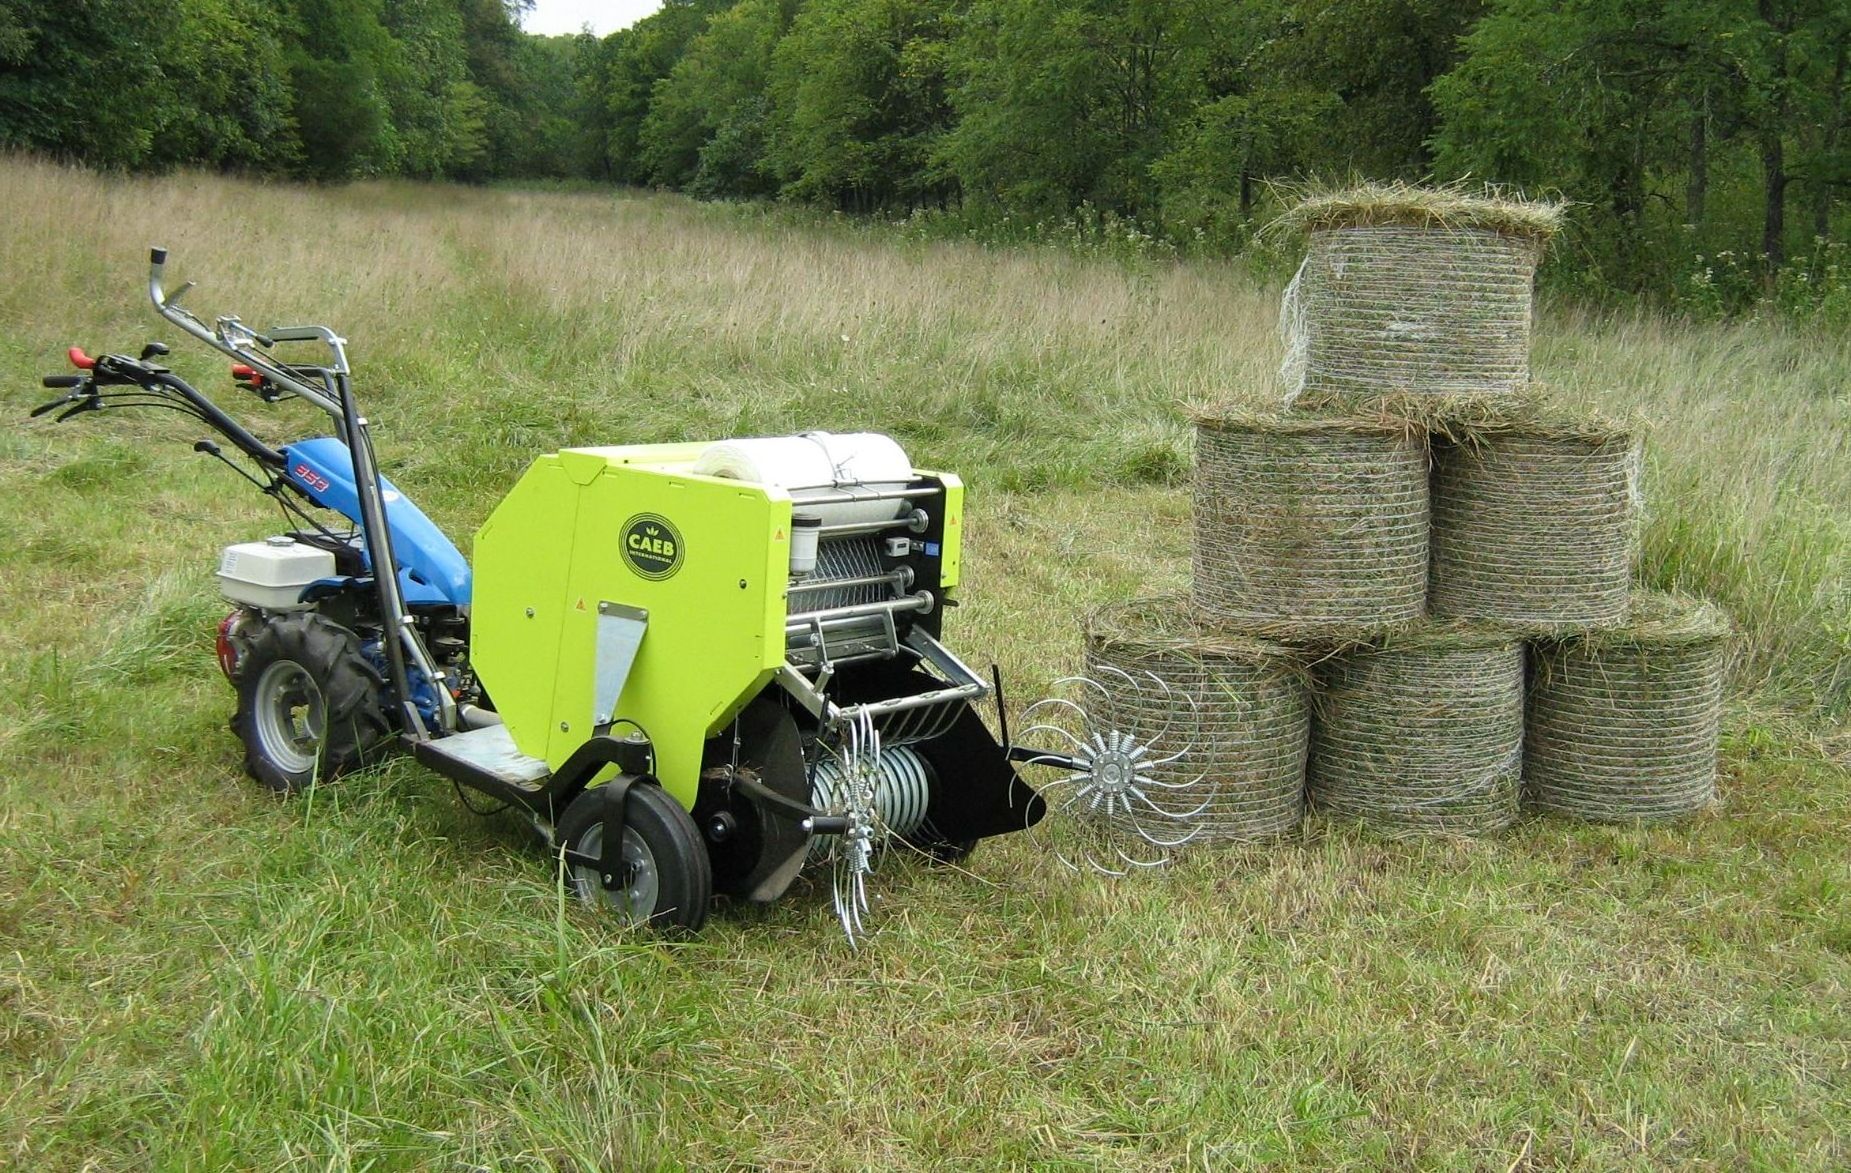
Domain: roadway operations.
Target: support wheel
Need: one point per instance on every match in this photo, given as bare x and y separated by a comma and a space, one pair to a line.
310, 706
669, 882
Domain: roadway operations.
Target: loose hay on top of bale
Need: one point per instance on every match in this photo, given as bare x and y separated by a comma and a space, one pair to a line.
1421, 733
1623, 725
1309, 527
1237, 707
1535, 521
1412, 289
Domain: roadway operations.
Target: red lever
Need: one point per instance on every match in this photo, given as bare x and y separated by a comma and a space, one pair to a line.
79, 359
240, 371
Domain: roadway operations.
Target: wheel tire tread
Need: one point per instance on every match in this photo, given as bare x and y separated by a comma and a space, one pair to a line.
356, 727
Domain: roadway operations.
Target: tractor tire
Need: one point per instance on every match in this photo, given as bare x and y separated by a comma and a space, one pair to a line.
310, 706
671, 881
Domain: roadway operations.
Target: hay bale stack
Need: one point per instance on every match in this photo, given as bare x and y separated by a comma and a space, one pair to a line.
1422, 733
1412, 289
1236, 708
1535, 525
1308, 524
1623, 725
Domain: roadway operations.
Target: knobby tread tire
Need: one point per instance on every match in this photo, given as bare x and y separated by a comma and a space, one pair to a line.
356, 730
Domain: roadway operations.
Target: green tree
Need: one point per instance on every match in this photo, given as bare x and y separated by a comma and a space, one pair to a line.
705, 129
860, 103
639, 57
339, 68
1061, 102
84, 77
437, 110
226, 100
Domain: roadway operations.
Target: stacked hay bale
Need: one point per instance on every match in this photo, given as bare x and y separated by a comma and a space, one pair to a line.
1309, 521
1418, 522
1423, 732
1226, 717
1623, 723
1412, 289
1536, 519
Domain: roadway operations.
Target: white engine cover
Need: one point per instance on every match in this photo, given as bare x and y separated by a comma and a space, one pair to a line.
271, 573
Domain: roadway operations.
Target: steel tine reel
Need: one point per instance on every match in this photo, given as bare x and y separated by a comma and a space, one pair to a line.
1126, 798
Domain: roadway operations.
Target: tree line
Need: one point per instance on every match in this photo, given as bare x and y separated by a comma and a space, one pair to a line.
1703, 141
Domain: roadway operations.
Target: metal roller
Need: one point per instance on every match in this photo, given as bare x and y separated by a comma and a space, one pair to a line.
902, 788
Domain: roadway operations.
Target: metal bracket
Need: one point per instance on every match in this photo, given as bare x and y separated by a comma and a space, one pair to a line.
614, 874
620, 635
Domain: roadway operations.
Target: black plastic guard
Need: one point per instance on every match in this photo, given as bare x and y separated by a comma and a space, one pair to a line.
766, 847
976, 792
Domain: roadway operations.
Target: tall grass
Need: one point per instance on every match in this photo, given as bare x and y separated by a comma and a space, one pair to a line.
193, 975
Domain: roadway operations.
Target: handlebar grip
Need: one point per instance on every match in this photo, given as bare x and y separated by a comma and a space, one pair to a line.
157, 256
62, 381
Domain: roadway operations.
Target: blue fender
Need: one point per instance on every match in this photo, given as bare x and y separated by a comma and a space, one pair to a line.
431, 570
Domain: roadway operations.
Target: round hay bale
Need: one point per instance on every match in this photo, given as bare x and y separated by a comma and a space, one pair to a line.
1623, 725
1535, 529
1237, 709
1421, 734
1412, 289
1308, 525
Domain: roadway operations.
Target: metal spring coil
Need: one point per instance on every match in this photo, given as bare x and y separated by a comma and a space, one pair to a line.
901, 793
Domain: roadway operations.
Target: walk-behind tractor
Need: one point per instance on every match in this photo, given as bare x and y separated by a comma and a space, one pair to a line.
697, 667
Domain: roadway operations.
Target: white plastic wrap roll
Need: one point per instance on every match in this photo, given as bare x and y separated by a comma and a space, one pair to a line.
817, 460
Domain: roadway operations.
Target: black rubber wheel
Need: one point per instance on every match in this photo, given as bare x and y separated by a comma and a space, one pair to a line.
310, 706
671, 880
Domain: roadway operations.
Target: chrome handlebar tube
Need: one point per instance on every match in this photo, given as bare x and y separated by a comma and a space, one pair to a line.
334, 395
232, 337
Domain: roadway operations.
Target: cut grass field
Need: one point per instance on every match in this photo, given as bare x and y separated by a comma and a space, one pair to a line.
196, 975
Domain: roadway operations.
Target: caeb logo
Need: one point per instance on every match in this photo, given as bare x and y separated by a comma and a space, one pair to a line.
651, 546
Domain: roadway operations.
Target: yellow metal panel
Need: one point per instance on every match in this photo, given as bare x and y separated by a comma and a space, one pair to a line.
716, 618
951, 550
522, 556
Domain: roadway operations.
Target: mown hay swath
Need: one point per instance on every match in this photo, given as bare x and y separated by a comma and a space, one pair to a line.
1421, 734
1308, 525
1412, 289
1237, 708
1535, 529
1623, 724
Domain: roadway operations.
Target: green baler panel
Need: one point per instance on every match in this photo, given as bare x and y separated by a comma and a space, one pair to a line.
712, 580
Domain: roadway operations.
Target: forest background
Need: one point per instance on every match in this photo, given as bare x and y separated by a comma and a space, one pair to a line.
1704, 143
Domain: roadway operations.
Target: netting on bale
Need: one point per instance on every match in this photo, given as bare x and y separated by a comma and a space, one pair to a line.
1412, 289
1536, 527
1306, 527
1236, 709
1623, 725
1421, 734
